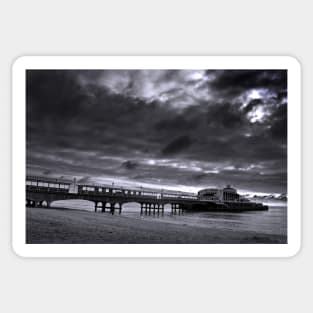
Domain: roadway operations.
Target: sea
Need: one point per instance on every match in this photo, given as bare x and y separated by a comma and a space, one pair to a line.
272, 222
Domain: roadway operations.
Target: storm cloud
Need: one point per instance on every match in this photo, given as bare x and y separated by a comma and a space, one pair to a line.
182, 129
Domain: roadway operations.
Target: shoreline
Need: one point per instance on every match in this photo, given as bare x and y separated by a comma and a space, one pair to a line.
70, 226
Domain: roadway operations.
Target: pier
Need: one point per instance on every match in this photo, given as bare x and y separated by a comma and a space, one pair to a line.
41, 192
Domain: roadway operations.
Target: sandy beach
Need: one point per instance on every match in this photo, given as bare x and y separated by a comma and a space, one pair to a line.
65, 226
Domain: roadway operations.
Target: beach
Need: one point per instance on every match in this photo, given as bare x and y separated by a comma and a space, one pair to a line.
68, 226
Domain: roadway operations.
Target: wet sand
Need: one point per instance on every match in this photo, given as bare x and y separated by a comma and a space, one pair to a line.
65, 226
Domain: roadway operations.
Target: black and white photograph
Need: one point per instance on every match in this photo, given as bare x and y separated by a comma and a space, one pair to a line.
156, 156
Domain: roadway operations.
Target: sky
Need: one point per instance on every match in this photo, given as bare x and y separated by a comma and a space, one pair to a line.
177, 129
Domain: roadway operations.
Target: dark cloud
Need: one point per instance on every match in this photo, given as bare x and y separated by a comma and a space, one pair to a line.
175, 123
278, 128
179, 144
225, 116
232, 83
130, 165
192, 128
